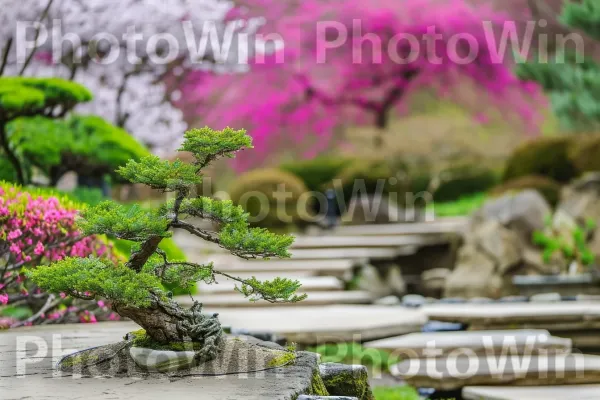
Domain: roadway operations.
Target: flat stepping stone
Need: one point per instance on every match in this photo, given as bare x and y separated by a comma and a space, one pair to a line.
419, 345
313, 299
337, 268
568, 392
309, 284
454, 225
510, 313
29, 373
453, 373
363, 253
317, 325
318, 242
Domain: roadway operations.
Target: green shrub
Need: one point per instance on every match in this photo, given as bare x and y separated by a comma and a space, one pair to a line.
464, 179
547, 157
547, 187
369, 177
396, 393
585, 154
463, 206
318, 172
86, 144
259, 192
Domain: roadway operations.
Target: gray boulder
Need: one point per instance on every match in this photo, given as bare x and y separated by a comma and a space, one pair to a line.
346, 380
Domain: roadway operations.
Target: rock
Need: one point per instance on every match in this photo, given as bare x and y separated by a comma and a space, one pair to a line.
381, 281
581, 201
413, 300
481, 300
437, 326
388, 301
162, 360
546, 298
514, 299
474, 276
452, 300
500, 244
433, 281
524, 212
346, 380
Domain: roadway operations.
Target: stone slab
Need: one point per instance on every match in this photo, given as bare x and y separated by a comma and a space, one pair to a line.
315, 325
418, 228
567, 392
313, 299
29, 374
365, 253
309, 284
509, 313
337, 267
419, 345
452, 373
319, 242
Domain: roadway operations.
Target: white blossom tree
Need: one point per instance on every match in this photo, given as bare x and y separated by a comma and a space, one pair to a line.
122, 50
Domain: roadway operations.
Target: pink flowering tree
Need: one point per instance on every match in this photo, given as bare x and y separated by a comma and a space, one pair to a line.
36, 229
360, 63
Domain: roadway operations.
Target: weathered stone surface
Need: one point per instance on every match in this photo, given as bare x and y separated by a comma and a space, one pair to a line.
313, 299
413, 300
497, 247
346, 380
566, 392
388, 301
433, 281
474, 276
440, 226
546, 298
441, 344
581, 201
316, 325
524, 212
451, 373
161, 360
29, 373
571, 313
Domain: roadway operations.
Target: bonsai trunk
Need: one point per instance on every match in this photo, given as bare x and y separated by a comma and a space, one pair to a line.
166, 322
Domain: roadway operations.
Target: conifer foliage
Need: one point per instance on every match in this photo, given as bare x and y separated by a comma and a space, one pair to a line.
135, 287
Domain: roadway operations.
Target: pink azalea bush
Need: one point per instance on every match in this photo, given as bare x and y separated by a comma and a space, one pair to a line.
309, 86
36, 229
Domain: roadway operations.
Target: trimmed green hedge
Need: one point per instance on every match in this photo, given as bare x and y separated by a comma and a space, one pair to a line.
548, 157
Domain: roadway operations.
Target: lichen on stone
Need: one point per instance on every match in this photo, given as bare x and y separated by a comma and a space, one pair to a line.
287, 357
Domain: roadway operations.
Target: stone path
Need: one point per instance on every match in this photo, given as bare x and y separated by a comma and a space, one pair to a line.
318, 242
440, 226
312, 325
27, 356
419, 345
569, 392
309, 283
313, 299
452, 373
328, 267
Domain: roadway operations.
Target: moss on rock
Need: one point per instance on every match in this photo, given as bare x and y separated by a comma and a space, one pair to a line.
346, 380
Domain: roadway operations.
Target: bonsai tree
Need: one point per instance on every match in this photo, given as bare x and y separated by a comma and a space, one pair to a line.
135, 287
35, 133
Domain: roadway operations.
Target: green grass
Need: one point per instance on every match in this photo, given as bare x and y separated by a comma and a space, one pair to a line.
354, 353
395, 393
463, 206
